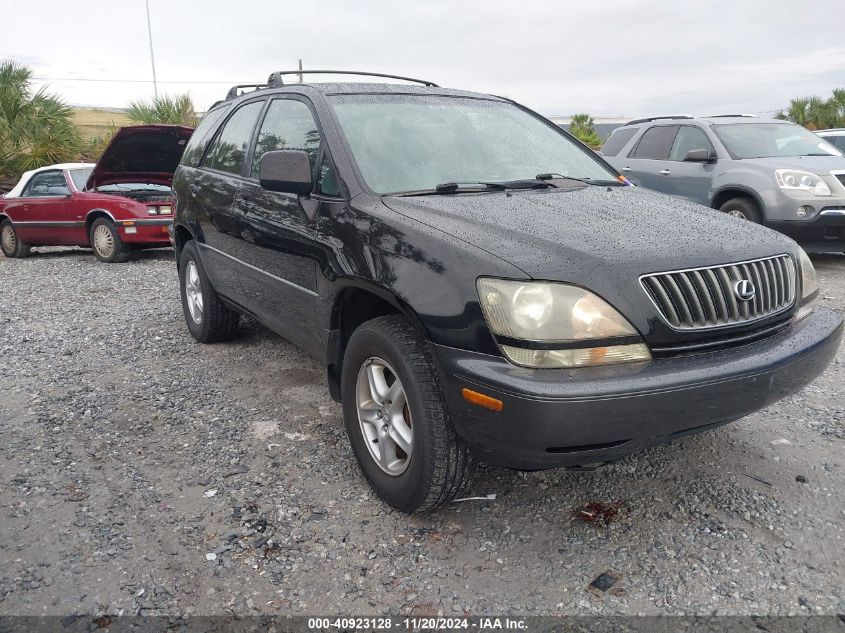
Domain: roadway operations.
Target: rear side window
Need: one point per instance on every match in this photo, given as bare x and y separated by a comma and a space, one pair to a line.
199, 139
618, 139
288, 124
228, 150
689, 138
47, 183
656, 142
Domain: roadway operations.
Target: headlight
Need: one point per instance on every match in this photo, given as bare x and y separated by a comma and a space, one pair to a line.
801, 181
164, 209
550, 313
809, 286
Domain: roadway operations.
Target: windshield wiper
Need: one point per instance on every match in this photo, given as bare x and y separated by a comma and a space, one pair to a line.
487, 185
480, 186
589, 181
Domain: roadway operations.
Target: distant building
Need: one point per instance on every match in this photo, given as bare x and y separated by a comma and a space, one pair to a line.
604, 125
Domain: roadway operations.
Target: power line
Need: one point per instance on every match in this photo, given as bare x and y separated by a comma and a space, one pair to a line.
136, 81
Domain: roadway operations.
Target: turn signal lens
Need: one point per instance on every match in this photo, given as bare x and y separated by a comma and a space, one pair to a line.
582, 357
481, 400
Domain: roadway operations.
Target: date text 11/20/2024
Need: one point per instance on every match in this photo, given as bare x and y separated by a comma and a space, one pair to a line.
416, 624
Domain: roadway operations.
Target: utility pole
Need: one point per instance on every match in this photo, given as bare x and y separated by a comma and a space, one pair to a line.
152, 56
300, 71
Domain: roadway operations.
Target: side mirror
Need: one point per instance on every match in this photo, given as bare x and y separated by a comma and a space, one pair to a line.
700, 156
286, 171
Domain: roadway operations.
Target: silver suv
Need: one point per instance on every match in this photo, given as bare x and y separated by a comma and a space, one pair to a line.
764, 170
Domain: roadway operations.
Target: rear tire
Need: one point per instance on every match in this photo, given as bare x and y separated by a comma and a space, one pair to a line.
106, 243
10, 243
435, 465
742, 208
209, 320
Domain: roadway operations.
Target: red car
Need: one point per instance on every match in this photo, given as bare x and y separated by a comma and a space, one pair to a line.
122, 202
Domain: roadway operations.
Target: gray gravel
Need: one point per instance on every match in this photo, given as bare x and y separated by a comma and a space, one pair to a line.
144, 473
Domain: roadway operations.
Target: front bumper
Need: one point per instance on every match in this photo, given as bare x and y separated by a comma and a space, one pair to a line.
145, 230
585, 417
825, 233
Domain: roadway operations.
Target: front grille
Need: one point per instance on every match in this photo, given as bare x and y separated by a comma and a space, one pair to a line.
702, 298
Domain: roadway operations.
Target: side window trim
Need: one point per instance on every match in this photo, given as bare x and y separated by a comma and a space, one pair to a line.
221, 126
254, 141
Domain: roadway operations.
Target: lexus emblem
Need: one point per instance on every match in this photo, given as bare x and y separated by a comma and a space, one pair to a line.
744, 290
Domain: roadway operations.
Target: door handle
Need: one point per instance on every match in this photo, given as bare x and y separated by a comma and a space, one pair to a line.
194, 190
626, 169
665, 172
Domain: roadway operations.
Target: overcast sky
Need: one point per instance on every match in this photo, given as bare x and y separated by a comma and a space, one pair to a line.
604, 57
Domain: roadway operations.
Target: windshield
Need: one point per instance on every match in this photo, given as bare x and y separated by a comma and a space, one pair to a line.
405, 143
80, 177
762, 140
135, 186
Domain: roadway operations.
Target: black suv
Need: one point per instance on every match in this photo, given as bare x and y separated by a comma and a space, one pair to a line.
479, 285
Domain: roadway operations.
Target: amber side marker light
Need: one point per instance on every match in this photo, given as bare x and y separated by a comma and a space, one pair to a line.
481, 400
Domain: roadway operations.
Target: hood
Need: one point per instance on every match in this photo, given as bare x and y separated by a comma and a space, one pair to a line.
142, 153
569, 234
819, 165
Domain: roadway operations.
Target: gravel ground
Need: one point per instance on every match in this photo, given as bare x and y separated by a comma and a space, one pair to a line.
144, 473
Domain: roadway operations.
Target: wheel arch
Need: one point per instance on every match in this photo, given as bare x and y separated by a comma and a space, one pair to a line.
93, 214
723, 194
181, 236
354, 305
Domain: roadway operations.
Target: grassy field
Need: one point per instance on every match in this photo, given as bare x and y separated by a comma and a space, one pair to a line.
94, 122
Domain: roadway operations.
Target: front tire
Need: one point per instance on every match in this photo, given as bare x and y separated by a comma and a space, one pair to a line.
10, 243
209, 320
106, 243
742, 208
397, 420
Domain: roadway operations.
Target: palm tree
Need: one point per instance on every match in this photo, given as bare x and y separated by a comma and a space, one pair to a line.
815, 113
35, 129
178, 110
581, 127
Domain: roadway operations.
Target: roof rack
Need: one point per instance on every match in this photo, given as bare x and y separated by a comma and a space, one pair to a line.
233, 91
658, 118
725, 116
275, 79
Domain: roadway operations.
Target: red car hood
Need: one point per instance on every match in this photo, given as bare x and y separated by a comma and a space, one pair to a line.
142, 153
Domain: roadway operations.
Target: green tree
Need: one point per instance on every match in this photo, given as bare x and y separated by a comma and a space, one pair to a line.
178, 110
816, 113
36, 129
581, 126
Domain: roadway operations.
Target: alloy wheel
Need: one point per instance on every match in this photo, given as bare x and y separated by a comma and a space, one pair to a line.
737, 214
193, 291
384, 416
